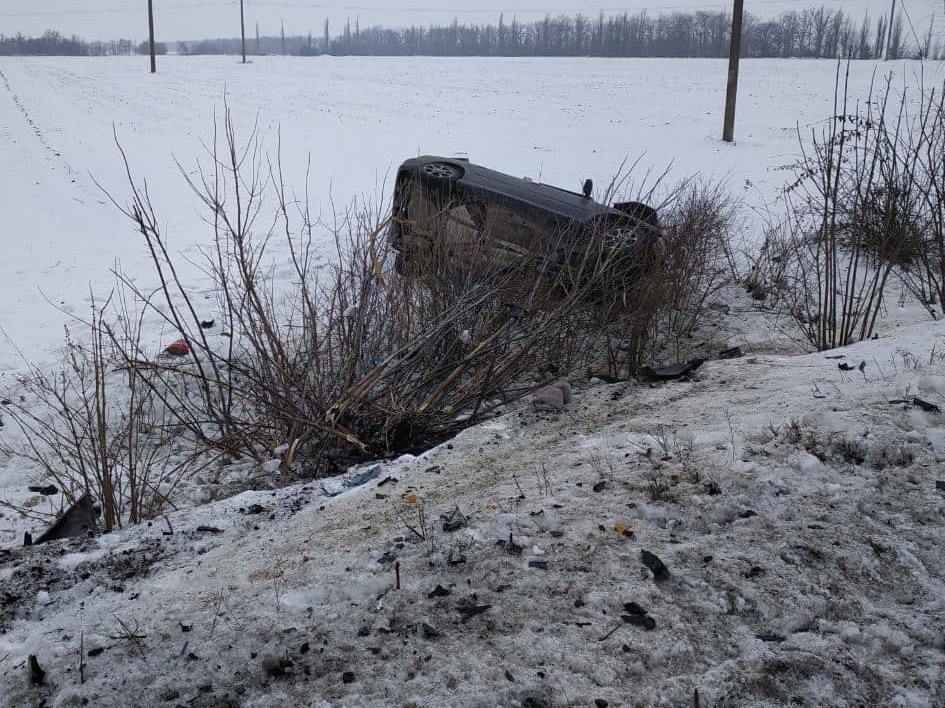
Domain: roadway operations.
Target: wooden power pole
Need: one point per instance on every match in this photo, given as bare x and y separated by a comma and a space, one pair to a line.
243, 30
151, 35
735, 53
889, 30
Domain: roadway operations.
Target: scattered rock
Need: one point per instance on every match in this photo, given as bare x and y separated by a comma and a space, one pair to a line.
549, 399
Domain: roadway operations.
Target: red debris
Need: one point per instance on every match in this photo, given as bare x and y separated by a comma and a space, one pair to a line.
178, 348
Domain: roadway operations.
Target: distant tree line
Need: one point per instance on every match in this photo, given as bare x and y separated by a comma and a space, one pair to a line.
51, 43
814, 33
811, 33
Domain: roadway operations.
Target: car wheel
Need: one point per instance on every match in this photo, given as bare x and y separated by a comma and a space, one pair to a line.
442, 170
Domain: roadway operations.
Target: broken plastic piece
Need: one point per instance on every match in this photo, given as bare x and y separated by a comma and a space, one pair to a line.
671, 371
178, 348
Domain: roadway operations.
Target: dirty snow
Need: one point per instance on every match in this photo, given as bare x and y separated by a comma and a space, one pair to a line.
794, 506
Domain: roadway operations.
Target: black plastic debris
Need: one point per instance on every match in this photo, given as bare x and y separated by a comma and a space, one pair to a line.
207, 324
388, 557
439, 591
36, 674
364, 477
637, 616
731, 353
843, 366
45, 490
511, 546
671, 372
468, 610
655, 565
454, 520
918, 403
541, 565
77, 520
940, 485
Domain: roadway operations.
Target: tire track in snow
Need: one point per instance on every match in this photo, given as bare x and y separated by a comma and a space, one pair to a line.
53, 154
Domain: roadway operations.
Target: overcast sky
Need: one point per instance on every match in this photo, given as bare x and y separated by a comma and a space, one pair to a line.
186, 19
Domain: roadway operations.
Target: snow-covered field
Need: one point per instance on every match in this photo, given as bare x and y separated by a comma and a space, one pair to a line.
557, 120
799, 512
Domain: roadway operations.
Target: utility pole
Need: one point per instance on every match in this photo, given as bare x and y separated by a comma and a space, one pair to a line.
889, 30
243, 30
735, 53
257, 38
151, 35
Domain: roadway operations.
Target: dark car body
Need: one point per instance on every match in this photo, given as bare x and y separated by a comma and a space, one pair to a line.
440, 199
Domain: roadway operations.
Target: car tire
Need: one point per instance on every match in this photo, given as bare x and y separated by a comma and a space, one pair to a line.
442, 171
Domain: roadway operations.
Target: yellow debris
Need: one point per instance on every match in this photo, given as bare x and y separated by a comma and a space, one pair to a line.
622, 529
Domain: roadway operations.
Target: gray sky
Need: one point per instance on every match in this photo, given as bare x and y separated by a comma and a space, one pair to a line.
187, 19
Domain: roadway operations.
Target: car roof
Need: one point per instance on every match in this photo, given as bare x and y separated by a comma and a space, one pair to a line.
566, 205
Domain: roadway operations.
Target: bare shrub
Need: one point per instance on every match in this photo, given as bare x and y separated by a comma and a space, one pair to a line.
852, 218
924, 266
662, 305
93, 430
353, 361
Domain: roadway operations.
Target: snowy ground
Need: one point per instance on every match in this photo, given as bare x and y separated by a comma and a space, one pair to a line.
796, 508
805, 564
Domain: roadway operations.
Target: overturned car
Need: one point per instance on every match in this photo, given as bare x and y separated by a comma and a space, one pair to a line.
450, 214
